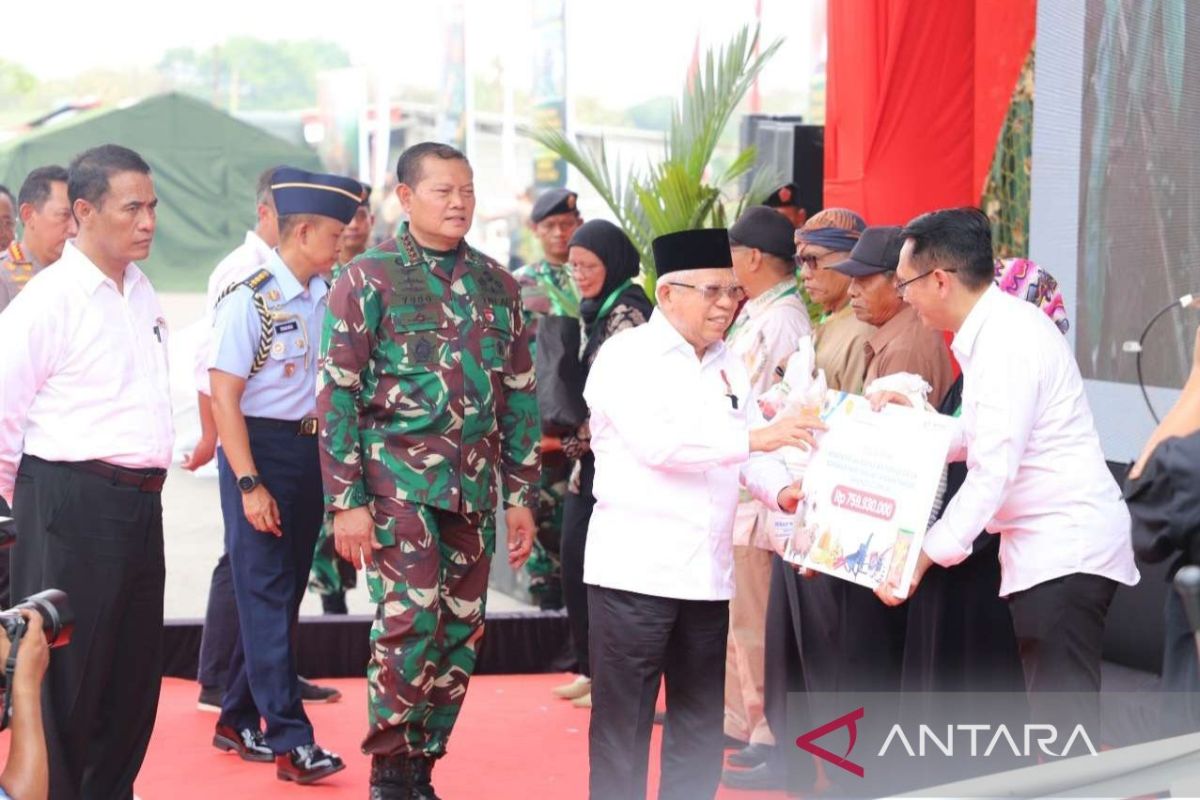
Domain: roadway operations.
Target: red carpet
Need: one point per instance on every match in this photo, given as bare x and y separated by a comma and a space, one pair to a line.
513, 740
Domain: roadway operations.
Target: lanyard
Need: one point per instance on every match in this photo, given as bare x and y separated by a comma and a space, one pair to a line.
766, 300
610, 301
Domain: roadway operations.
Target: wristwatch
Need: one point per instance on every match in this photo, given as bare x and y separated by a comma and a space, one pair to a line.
248, 483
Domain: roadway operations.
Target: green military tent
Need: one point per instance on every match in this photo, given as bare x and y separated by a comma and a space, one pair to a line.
204, 164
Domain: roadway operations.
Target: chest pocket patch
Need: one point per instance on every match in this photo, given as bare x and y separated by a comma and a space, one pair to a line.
290, 340
495, 343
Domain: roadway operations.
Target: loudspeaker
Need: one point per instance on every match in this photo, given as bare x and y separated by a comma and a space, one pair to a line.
793, 150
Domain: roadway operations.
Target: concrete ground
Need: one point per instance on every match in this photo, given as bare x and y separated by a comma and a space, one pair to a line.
192, 508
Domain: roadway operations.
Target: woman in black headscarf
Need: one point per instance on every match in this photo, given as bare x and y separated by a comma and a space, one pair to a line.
604, 264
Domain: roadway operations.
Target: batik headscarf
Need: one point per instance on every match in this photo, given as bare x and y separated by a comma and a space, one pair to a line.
1024, 279
835, 229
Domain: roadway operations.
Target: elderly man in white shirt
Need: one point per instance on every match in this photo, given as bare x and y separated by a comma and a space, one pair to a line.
659, 559
1036, 473
85, 439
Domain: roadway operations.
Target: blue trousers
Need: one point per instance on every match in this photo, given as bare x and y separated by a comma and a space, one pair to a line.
269, 578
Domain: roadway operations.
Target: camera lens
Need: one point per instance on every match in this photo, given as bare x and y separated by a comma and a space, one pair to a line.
57, 620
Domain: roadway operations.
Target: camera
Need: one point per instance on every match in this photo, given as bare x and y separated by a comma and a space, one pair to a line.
57, 620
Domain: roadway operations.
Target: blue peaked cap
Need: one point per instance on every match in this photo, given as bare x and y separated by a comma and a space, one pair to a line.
297, 191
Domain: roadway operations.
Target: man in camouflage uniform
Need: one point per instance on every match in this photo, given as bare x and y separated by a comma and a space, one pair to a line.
427, 402
331, 576
547, 288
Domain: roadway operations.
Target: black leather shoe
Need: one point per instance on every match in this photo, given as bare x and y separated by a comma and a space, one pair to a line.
248, 743
306, 764
210, 699
334, 604
764, 777
311, 693
732, 743
750, 756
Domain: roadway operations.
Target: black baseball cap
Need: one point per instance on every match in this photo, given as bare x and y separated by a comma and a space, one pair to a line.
877, 250
765, 229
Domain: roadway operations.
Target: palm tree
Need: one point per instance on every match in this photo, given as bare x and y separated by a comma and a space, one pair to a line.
675, 194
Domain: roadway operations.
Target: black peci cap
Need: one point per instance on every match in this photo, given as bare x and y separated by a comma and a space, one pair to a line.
707, 248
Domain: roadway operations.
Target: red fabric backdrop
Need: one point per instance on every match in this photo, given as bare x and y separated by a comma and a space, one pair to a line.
916, 93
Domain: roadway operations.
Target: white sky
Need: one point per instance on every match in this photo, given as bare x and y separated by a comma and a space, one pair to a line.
619, 51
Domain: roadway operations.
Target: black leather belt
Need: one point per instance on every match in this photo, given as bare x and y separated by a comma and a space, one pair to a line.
149, 480
304, 427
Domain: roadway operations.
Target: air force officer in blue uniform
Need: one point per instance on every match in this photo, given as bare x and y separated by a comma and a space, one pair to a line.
263, 370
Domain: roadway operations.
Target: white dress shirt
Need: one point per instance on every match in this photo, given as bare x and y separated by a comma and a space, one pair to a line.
242, 262
1036, 473
89, 380
767, 332
670, 446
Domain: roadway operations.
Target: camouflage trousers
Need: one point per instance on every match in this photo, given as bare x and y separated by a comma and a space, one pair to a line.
543, 565
331, 574
429, 588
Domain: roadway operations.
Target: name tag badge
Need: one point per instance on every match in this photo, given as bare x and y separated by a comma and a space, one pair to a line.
287, 327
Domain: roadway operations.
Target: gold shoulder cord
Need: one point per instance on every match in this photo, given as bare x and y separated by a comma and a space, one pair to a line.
266, 319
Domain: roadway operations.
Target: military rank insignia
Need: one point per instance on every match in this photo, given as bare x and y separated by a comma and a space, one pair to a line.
424, 349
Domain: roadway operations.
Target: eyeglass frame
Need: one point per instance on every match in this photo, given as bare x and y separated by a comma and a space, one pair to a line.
801, 261
716, 290
902, 286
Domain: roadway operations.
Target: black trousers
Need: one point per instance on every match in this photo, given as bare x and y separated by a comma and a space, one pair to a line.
577, 513
1181, 670
784, 673
221, 629
5, 563
103, 545
637, 640
960, 635
1059, 626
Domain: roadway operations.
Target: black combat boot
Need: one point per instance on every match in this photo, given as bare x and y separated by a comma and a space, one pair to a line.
391, 778
422, 772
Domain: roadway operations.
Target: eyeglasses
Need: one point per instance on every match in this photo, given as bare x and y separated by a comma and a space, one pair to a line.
902, 286
812, 261
713, 292
579, 269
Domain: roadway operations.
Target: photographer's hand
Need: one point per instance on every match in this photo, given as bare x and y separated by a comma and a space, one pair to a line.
33, 657
27, 773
